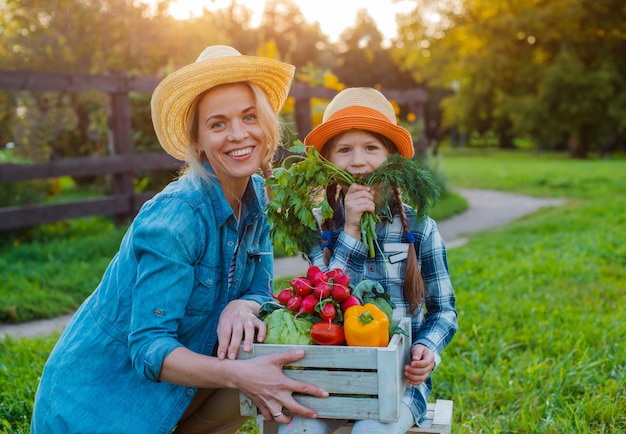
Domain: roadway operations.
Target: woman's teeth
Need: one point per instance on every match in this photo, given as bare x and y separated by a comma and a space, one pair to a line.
240, 152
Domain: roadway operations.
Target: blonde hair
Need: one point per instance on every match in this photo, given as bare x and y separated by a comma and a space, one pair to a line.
270, 122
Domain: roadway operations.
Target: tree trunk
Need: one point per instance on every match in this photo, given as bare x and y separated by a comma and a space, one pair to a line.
579, 143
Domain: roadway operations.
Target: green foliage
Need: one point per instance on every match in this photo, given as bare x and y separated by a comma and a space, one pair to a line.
552, 70
449, 204
32, 285
22, 193
21, 363
544, 175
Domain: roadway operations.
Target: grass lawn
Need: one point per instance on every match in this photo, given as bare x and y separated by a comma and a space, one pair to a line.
540, 302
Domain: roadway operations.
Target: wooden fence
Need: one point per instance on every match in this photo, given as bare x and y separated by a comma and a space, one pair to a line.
123, 203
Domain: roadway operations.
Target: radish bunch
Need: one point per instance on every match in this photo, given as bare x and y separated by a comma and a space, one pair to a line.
322, 294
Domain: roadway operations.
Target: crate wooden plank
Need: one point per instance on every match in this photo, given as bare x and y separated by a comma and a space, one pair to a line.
341, 407
320, 356
441, 408
391, 382
340, 382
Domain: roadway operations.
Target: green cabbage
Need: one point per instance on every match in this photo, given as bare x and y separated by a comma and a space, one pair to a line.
284, 328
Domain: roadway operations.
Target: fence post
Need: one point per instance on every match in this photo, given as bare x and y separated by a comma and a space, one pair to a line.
302, 114
120, 125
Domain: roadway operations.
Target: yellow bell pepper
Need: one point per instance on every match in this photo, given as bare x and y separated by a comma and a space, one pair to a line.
366, 326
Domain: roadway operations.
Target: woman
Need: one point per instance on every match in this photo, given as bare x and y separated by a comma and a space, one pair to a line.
358, 133
155, 346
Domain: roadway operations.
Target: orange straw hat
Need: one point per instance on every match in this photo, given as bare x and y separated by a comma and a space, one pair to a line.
218, 64
362, 108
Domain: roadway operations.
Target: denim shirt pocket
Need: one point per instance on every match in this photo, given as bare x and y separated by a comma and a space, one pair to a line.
205, 296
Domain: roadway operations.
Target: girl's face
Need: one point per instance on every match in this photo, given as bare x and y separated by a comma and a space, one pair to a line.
230, 134
357, 152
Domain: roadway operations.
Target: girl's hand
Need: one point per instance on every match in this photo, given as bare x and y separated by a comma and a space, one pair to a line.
359, 199
238, 321
421, 366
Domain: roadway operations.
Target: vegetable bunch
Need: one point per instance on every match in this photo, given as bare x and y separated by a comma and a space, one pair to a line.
299, 184
313, 307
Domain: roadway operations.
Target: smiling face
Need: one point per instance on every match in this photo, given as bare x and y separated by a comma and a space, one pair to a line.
356, 151
230, 134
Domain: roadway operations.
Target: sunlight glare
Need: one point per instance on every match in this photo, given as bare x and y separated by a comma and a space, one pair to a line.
333, 16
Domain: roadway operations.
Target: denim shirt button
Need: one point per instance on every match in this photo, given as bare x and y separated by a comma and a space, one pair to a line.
230, 244
189, 391
371, 268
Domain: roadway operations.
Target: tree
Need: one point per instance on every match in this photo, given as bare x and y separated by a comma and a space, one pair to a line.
298, 41
362, 59
548, 69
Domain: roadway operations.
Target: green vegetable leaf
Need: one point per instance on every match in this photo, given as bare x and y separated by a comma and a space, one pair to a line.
284, 328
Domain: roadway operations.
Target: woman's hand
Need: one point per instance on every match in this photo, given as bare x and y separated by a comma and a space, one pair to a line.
239, 321
359, 199
421, 366
263, 381
260, 378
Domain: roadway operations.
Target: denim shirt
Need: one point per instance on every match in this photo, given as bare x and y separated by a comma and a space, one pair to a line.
165, 288
433, 326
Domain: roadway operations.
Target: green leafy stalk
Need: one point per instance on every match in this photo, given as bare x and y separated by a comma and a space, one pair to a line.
299, 186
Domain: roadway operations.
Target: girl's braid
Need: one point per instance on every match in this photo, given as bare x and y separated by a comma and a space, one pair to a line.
413, 283
333, 196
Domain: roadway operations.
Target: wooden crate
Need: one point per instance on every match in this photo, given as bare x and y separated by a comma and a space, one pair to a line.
438, 421
363, 382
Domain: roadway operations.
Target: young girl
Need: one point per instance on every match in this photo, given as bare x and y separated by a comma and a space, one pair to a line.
358, 133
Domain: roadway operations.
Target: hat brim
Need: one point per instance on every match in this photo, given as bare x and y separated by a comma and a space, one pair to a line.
174, 95
362, 118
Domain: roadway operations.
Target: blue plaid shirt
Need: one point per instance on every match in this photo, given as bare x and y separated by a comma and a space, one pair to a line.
433, 326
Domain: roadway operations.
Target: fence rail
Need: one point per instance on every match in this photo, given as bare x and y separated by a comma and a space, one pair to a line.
123, 203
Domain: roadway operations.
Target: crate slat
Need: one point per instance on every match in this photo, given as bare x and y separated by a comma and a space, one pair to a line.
338, 382
442, 408
341, 407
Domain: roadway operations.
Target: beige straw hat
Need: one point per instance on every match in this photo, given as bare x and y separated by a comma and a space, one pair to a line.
218, 64
362, 108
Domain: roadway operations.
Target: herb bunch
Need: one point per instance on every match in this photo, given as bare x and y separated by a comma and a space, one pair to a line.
299, 186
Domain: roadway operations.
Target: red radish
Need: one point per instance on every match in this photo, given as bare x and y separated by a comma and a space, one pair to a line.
312, 271
333, 273
339, 293
308, 305
327, 313
321, 290
315, 275
339, 277
294, 303
284, 296
319, 277
349, 302
301, 286
342, 279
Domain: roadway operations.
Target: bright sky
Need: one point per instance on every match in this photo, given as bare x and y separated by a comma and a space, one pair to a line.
334, 16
